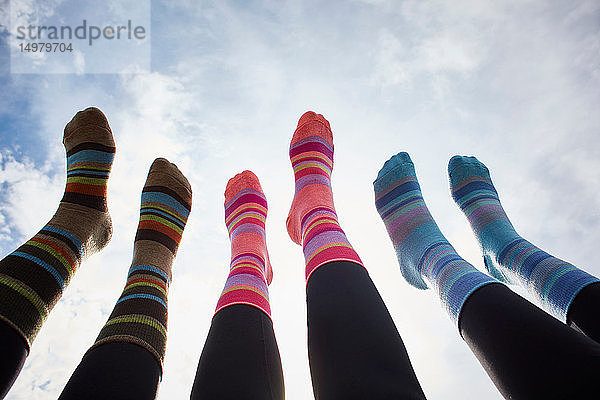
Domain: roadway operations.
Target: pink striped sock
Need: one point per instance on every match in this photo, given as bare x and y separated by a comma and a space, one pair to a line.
250, 270
312, 220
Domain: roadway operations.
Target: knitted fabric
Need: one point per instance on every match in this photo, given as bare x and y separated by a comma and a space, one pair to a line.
312, 221
140, 314
426, 258
33, 277
508, 256
250, 270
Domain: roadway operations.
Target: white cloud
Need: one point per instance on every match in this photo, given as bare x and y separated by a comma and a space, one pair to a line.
28, 191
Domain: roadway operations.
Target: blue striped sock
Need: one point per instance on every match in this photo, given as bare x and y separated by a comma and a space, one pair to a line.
507, 256
425, 256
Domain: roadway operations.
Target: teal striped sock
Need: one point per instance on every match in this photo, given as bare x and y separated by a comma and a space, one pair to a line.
425, 256
507, 256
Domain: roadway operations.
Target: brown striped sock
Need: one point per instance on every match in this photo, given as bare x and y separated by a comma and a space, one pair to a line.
140, 315
33, 277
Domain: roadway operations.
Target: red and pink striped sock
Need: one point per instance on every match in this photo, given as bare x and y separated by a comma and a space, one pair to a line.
312, 221
250, 271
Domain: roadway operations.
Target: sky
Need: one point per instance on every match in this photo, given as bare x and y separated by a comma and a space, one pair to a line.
517, 84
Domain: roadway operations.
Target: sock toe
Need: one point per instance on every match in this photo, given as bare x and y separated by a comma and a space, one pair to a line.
397, 160
313, 116
313, 124
397, 166
248, 180
164, 173
244, 180
461, 167
89, 125
464, 161
160, 165
90, 116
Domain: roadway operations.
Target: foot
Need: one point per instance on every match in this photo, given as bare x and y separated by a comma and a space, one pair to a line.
507, 255
245, 216
83, 212
401, 206
312, 221
424, 255
311, 155
33, 277
166, 205
140, 314
474, 193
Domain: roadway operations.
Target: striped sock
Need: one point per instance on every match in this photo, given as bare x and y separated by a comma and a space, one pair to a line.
312, 221
250, 270
425, 256
552, 281
33, 277
140, 315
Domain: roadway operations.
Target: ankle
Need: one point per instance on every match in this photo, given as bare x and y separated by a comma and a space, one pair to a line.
310, 198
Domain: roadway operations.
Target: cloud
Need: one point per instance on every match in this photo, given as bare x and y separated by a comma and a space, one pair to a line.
21, 206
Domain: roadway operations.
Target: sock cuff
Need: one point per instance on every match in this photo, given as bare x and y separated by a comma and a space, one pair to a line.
324, 241
28, 341
140, 313
458, 285
355, 260
562, 288
245, 289
139, 329
22, 307
266, 310
453, 278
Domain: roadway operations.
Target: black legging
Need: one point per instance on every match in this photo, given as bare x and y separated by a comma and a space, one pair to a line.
583, 313
116, 371
527, 353
354, 348
13, 352
240, 359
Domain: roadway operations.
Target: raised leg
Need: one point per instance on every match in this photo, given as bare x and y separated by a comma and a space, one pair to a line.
126, 360
33, 277
508, 256
526, 352
240, 359
355, 350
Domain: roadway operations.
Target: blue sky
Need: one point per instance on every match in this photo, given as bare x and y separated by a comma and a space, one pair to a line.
515, 84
